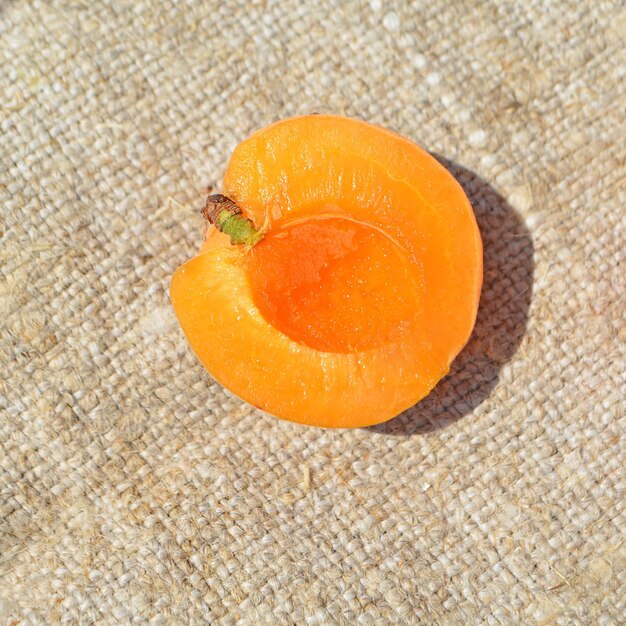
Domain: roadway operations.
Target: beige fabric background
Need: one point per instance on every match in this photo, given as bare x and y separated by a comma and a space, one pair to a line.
133, 489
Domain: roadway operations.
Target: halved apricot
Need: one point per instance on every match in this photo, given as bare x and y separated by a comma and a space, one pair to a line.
361, 288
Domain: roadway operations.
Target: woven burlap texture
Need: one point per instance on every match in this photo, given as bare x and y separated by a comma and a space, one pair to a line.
134, 489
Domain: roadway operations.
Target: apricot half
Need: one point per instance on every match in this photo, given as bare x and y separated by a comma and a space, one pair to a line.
353, 280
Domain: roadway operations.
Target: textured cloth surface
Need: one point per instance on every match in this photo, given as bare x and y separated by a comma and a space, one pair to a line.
134, 489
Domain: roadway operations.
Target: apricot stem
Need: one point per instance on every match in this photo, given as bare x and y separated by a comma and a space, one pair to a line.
226, 216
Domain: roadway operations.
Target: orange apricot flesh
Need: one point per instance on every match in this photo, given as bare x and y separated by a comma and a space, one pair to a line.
361, 293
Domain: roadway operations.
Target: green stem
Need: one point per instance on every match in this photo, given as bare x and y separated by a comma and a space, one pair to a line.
226, 216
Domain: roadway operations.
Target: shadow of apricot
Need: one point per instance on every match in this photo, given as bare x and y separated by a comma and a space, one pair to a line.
502, 314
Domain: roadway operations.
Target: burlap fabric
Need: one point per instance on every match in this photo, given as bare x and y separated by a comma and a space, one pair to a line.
134, 489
